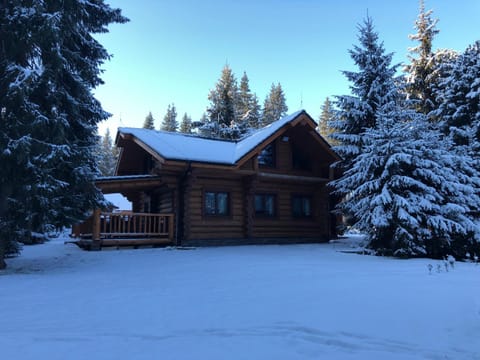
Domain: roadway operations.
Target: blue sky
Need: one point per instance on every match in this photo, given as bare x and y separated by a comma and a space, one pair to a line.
172, 51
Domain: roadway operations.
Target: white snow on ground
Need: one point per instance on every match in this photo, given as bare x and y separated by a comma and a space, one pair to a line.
246, 302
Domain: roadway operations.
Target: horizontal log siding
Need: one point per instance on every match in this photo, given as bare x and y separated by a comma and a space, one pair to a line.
165, 202
212, 227
284, 224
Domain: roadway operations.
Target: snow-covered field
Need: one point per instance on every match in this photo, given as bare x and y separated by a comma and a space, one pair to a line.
249, 302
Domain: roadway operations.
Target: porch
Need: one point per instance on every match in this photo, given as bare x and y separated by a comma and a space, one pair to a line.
125, 228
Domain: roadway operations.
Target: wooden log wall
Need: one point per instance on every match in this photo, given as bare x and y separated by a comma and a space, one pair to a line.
284, 224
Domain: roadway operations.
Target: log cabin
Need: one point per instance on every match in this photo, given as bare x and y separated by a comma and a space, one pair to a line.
269, 187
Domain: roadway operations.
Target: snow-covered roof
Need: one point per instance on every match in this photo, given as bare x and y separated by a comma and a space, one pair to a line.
176, 146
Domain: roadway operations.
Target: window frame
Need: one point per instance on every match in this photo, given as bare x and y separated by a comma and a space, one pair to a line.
216, 214
273, 165
264, 215
300, 161
302, 197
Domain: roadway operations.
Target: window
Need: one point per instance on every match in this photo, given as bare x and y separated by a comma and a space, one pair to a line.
302, 206
265, 205
300, 161
267, 156
216, 203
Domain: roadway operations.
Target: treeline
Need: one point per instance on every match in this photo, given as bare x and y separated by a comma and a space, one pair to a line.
234, 110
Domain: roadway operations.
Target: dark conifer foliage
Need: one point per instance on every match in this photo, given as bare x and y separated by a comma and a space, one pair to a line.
49, 65
149, 122
325, 121
186, 124
107, 155
170, 122
370, 89
421, 72
275, 105
248, 108
222, 113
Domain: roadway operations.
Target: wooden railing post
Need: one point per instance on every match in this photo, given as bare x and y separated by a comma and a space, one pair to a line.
170, 227
96, 230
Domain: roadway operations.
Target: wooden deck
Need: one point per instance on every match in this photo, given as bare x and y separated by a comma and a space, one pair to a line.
124, 229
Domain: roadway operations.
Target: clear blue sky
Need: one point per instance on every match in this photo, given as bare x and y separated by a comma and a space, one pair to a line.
172, 51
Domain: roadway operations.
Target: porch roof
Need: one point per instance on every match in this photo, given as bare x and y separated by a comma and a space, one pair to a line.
117, 184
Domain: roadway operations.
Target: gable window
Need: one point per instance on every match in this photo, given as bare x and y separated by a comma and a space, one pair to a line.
302, 206
217, 203
300, 161
267, 156
265, 205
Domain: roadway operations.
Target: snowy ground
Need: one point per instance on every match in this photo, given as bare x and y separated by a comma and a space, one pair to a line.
250, 302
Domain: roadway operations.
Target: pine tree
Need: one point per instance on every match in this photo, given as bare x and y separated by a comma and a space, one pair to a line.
248, 108
222, 113
49, 65
325, 121
274, 106
107, 155
186, 124
149, 122
458, 95
422, 69
371, 88
170, 122
408, 192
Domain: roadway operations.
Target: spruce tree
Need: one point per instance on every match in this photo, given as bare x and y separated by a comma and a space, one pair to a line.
458, 94
371, 88
248, 108
107, 155
274, 106
408, 192
170, 122
222, 119
421, 71
186, 124
327, 117
49, 65
149, 122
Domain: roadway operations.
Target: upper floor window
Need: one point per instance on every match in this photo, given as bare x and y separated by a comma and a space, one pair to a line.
300, 161
217, 203
265, 205
267, 156
302, 206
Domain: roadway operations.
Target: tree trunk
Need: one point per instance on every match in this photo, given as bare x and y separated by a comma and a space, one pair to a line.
5, 190
3, 264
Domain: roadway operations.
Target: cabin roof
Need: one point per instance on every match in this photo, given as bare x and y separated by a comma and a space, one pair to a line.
183, 147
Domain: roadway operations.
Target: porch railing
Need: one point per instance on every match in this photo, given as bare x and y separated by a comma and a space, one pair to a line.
125, 225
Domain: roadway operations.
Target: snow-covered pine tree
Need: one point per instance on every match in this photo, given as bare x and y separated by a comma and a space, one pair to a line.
186, 124
408, 192
149, 122
222, 119
458, 95
107, 155
247, 107
170, 122
370, 89
49, 65
327, 116
421, 72
275, 105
